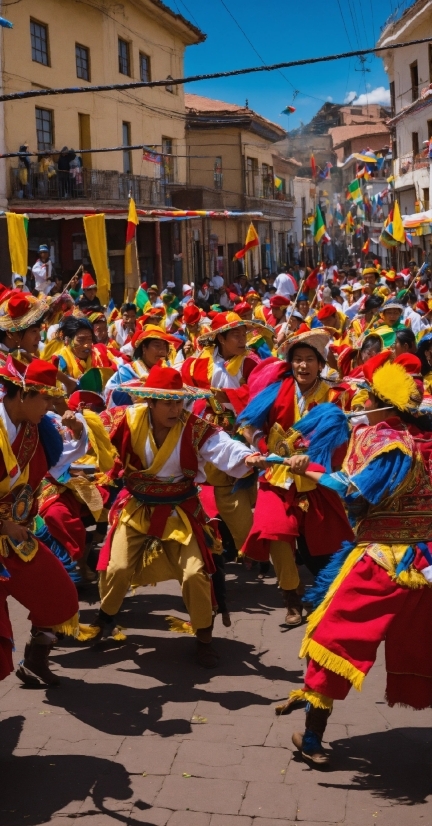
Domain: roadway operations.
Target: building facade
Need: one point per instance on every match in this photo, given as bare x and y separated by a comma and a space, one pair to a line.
233, 164
72, 43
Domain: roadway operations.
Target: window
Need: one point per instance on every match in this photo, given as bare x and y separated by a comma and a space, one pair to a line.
267, 181
426, 199
167, 160
44, 128
127, 155
39, 42
145, 74
415, 143
252, 185
414, 80
82, 56
392, 98
169, 87
123, 57
218, 176
429, 129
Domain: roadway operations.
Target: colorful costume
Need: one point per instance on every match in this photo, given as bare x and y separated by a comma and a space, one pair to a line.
379, 587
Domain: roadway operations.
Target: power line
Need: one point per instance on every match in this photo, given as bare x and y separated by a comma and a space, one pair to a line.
344, 24
73, 90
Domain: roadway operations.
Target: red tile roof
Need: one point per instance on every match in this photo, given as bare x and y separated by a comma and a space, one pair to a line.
341, 134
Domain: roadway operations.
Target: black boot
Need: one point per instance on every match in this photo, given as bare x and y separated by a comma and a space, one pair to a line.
309, 743
293, 605
106, 623
207, 657
34, 668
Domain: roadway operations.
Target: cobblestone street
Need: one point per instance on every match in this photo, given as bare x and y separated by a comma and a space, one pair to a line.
139, 734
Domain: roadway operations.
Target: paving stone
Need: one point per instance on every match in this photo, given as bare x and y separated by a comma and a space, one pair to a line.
317, 802
149, 817
202, 795
102, 746
192, 819
223, 760
270, 800
243, 731
230, 820
152, 755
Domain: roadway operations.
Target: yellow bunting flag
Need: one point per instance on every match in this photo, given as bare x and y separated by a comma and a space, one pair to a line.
94, 226
18, 242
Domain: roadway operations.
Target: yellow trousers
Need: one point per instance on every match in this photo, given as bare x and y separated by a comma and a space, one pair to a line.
284, 564
236, 511
181, 562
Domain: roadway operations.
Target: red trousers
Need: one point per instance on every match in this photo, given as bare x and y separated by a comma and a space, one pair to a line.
42, 586
63, 520
367, 609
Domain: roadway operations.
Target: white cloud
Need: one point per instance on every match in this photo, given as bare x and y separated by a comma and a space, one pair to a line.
378, 95
329, 99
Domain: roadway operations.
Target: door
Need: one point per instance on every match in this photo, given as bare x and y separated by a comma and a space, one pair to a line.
85, 139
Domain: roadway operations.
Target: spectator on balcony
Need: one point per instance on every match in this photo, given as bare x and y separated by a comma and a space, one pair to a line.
42, 271
46, 174
76, 175
24, 172
89, 299
63, 167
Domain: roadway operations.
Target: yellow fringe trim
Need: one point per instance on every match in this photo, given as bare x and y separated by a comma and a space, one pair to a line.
87, 632
179, 626
319, 612
410, 579
334, 663
313, 697
70, 627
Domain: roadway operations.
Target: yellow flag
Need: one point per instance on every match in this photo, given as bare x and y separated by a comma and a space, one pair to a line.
132, 279
94, 226
398, 230
18, 243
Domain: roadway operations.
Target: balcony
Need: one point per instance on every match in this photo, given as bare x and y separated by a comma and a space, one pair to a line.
408, 163
91, 185
280, 206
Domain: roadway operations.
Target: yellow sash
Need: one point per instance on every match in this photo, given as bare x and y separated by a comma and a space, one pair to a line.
75, 366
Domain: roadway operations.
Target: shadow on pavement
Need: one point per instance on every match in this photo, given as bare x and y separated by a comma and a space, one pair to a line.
391, 765
34, 787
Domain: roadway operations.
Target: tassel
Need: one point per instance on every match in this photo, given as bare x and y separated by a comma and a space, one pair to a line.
87, 632
316, 699
334, 663
179, 626
70, 628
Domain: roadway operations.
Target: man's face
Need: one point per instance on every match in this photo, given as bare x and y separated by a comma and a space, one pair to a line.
234, 343
44, 256
294, 324
30, 339
399, 284
165, 413
100, 329
242, 281
391, 317
34, 407
82, 344
90, 293
370, 280
305, 366
129, 319
303, 308
154, 350
278, 312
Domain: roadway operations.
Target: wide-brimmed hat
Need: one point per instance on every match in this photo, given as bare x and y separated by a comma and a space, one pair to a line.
152, 331
163, 383
39, 375
223, 322
20, 311
392, 303
317, 339
370, 271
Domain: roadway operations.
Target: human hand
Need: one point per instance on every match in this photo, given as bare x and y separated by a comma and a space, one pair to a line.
298, 464
14, 531
70, 420
256, 460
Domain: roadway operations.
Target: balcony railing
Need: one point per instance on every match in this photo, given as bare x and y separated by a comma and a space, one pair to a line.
90, 185
406, 163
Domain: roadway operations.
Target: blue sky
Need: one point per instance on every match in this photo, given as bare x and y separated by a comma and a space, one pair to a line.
282, 30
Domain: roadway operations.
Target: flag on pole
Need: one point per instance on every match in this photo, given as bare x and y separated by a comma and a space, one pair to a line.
365, 247
325, 173
95, 231
142, 300
252, 240
313, 166
278, 183
17, 226
319, 228
354, 192
132, 278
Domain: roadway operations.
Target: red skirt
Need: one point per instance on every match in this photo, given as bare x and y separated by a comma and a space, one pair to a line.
278, 516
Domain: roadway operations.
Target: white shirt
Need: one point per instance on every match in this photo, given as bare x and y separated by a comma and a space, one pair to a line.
42, 274
73, 449
217, 282
414, 318
285, 285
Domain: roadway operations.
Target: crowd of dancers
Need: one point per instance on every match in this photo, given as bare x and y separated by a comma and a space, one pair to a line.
284, 425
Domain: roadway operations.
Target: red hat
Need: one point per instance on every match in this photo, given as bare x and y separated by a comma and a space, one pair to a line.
191, 313
152, 331
151, 314
243, 308
326, 312
163, 383
21, 310
279, 301
251, 293
423, 289
222, 323
85, 398
304, 328
38, 375
422, 307
410, 363
88, 281
374, 363
406, 271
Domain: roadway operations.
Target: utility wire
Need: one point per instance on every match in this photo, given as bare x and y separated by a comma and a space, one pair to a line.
344, 24
73, 90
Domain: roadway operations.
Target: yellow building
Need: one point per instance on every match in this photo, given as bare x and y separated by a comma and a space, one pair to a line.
57, 43
233, 164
